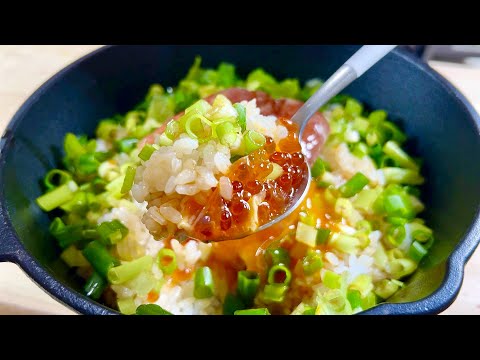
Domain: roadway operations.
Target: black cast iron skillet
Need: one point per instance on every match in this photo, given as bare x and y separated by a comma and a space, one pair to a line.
443, 126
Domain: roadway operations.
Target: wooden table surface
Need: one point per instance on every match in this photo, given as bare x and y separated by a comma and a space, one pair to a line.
23, 68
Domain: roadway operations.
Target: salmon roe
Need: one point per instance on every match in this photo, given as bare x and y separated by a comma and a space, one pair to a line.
257, 199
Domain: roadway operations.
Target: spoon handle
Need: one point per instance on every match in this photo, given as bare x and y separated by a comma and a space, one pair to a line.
361, 61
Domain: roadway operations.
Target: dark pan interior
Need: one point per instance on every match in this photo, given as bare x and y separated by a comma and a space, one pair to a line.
116, 78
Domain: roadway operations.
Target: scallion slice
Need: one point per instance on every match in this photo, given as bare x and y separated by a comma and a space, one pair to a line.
261, 311
353, 186
242, 116
247, 286
128, 180
58, 196
55, 178
112, 232
279, 274
129, 270
167, 261
146, 152
253, 141
95, 286
100, 258
204, 286
274, 292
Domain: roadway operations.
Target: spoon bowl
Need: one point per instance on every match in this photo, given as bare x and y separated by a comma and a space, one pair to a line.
353, 68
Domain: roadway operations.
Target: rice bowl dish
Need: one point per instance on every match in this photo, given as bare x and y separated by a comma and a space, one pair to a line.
126, 202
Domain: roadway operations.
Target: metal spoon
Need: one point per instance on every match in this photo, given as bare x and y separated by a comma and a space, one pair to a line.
353, 68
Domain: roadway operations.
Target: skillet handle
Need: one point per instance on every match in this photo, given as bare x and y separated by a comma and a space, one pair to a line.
9, 246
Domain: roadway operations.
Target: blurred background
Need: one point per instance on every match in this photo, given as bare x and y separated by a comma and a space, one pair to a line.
460, 54
23, 68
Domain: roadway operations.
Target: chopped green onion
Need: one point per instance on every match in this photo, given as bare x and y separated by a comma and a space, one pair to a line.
375, 137
337, 301
322, 236
90, 233
112, 232
126, 306
332, 280
154, 90
396, 235
87, 164
99, 257
402, 267
102, 156
65, 235
106, 129
78, 205
58, 196
95, 286
353, 186
242, 116
420, 232
364, 225
312, 263
394, 175
129, 270
277, 256
161, 108
232, 303
277, 171
393, 132
261, 311
369, 301
204, 286
55, 178
306, 234
309, 310
274, 292
163, 140
226, 133
398, 205
344, 243
167, 261
199, 107
378, 116
143, 283
392, 149
279, 274
395, 220
146, 152
353, 107
318, 168
195, 126
173, 129
360, 150
73, 257
253, 141
361, 125
362, 283
129, 178
126, 145
247, 286
386, 288
417, 251
72, 146
151, 309
354, 298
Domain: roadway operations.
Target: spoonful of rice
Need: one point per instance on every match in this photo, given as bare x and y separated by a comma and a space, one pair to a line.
238, 162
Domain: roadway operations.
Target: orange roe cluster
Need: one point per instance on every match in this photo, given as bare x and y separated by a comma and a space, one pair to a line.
224, 219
